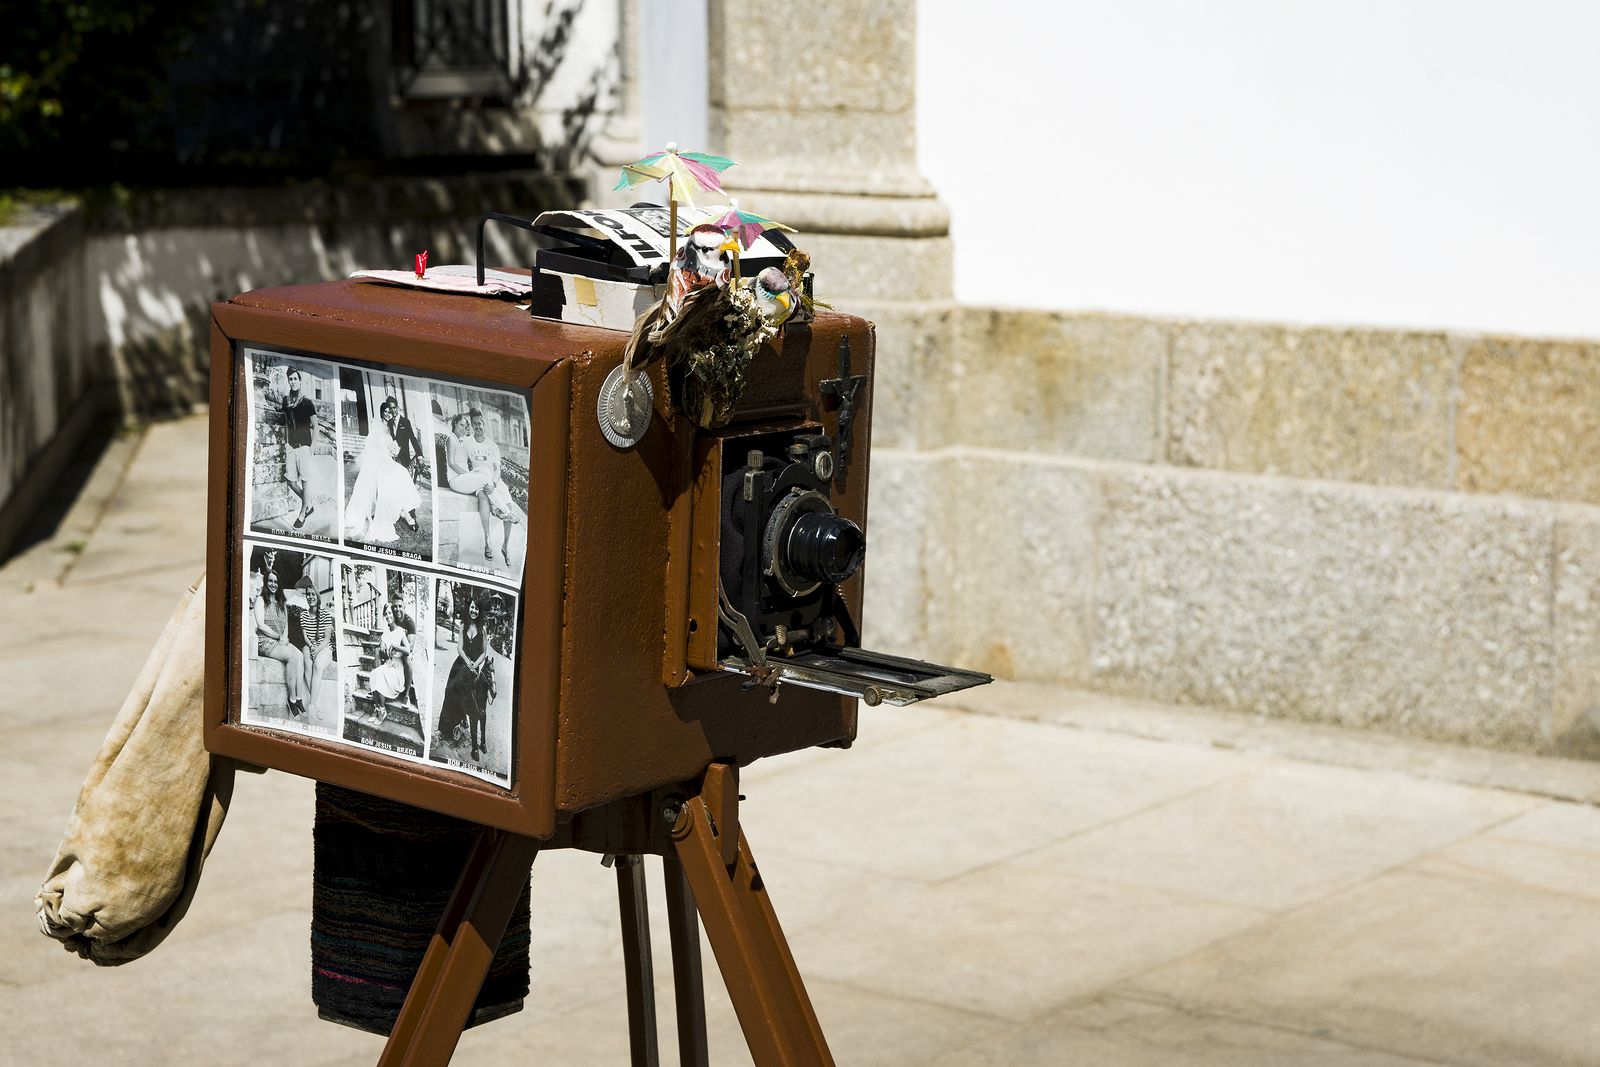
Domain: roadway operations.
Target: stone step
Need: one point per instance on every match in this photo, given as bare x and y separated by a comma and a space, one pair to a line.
396, 711
266, 669
269, 696
268, 690
388, 732
370, 696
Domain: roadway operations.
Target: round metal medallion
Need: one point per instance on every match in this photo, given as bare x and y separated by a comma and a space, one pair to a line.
625, 420
822, 465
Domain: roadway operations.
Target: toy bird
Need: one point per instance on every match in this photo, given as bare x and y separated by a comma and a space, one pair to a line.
699, 274
775, 297
704, 259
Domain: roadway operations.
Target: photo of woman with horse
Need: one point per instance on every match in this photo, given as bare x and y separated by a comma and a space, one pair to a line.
472, 686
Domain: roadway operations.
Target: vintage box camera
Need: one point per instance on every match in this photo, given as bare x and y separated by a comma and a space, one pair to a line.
783, 555
638, 612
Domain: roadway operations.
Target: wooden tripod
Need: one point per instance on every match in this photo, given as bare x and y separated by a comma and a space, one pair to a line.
709, 870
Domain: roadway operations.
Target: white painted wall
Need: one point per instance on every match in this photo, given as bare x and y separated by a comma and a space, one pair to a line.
1387, 162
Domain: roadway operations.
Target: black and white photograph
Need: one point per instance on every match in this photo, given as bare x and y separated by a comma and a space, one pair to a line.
291, 672
294, 479
481, 452
388, 470
385, 642
474, 643
658, 219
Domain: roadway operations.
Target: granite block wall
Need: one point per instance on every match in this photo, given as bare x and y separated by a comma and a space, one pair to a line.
1375, 528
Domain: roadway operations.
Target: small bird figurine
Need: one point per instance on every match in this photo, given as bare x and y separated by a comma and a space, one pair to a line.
775, 297
705, 258
697, 289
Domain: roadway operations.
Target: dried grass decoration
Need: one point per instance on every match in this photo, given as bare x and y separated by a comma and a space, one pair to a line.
706, 328
710, 379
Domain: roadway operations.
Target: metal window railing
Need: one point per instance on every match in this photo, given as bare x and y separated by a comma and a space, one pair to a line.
452, 49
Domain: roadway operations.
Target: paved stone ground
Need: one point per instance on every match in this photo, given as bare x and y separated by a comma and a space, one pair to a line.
1025, 876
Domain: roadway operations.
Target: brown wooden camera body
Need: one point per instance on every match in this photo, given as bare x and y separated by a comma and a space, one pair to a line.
617, 691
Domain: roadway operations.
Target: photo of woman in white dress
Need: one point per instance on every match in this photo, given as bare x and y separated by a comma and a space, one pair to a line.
388, 501
385, 640
474, 469
384, 493
389, 677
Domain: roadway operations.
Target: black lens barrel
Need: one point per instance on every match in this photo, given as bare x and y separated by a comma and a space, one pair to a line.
825, 548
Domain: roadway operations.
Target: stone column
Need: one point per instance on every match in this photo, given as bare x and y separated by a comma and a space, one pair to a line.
618, 140
817, 104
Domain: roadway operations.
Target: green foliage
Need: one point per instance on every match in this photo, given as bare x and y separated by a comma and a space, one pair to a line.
12, 201
80, 81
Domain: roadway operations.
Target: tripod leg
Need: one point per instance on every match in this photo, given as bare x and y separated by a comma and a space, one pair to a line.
635, 908
688, 993
463, 947
763, 982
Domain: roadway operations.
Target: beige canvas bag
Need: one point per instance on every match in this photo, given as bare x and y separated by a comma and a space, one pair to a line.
148, 813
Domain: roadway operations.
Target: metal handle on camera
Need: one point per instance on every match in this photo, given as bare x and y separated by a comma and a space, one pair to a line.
509, 220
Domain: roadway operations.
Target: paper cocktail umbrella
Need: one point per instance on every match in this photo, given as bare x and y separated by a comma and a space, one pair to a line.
746, 226
685, 173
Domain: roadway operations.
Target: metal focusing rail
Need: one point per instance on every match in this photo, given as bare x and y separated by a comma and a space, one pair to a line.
873, 677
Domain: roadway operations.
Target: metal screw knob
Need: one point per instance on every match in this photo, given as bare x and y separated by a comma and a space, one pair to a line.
670, 810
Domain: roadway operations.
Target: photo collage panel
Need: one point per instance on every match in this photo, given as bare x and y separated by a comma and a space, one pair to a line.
383, 560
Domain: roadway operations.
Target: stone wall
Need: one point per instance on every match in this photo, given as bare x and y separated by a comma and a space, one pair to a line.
1392, 529
1384, 528
818, 105
106, 308
1419, 409
49, 376
155, 265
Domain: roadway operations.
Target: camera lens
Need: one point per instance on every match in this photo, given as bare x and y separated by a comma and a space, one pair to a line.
825, 548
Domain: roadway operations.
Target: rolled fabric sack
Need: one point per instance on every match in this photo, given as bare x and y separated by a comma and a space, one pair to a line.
148, 812
382, 874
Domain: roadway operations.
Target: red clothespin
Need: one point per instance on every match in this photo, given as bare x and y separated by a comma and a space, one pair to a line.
422, 262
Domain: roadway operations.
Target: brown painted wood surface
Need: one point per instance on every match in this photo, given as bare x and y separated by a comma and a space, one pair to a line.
341, 320
621, 732
607, 563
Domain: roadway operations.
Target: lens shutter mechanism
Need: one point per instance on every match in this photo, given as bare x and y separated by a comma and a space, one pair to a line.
782, 619
826, 547
807, 544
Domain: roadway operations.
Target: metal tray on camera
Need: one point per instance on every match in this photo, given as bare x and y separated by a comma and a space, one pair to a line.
873, 677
